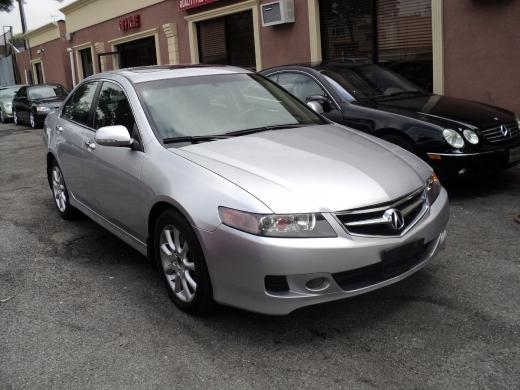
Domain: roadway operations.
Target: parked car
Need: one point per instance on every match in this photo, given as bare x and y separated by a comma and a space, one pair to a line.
240, 192
33, 103
6, 101
454, 136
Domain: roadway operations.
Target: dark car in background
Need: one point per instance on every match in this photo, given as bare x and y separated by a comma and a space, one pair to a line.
7, 94
31, 104
454, 136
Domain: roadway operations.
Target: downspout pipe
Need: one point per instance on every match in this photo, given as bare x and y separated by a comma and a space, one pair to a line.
72, 70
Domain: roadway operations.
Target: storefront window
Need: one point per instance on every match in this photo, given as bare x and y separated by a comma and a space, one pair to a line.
86, 62
140, 52
228, 40
394, 33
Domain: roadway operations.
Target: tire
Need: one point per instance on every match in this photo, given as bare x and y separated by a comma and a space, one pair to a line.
401, 141
32, 121
180, 258
15, 118
60, 193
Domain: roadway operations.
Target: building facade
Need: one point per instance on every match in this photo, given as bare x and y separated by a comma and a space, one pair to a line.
463, 48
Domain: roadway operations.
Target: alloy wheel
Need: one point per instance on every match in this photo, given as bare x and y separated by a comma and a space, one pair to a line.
15, 117
177, 263
58, 189
2, 118
32, 121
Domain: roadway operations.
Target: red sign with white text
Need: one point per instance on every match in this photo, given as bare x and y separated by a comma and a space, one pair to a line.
187, 4
130, 22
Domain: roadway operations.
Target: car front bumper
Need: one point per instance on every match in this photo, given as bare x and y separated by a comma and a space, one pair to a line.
238, 262
462, 163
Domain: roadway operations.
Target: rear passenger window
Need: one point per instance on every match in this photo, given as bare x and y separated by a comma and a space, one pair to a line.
113, 109
77, 108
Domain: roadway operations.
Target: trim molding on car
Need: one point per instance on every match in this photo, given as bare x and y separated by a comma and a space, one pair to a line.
449, 120
465, 154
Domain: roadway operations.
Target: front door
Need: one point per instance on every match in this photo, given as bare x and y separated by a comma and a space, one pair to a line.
113, 173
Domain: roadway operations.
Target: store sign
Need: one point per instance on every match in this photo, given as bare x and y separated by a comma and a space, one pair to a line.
130, 23
187, 4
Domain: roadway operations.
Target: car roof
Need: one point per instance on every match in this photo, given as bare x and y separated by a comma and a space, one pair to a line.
152, 73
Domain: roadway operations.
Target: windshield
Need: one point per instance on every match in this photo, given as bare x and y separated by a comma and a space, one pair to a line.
46, 91
8, 93
220, 104
371, 81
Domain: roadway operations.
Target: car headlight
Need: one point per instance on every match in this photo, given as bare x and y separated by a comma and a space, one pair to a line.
470, 136
433, 188
277, 225
43, 109
453, 138
517, 120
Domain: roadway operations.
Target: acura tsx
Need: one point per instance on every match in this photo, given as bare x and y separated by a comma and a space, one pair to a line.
239, 192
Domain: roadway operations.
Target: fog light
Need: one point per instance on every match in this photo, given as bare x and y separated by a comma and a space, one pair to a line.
463, 171
317, 284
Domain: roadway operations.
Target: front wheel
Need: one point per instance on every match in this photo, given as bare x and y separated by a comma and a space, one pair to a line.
182, 265
32, 121
2, 117
15, 118
60, 193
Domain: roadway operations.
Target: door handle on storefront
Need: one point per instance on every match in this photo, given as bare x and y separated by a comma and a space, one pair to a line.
59, 129
91, 145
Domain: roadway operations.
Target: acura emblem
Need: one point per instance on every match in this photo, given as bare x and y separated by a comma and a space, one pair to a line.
504, 130
394, 218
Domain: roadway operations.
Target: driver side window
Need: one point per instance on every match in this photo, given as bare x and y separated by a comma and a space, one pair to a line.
300, 85
113, 109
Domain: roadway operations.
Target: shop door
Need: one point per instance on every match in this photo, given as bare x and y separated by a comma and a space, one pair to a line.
228, 40
140, 52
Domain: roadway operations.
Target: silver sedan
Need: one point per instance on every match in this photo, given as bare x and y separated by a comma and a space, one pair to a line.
238, 191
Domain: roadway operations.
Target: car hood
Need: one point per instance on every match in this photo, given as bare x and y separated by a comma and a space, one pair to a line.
314, 168
445, 111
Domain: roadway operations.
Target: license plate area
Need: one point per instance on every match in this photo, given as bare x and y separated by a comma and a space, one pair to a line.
398, 260
514, 155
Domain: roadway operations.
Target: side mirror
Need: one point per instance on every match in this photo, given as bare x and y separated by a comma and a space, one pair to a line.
316, 106
114, 136
323, 101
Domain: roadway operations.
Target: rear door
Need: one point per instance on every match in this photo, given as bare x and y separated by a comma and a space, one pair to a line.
20, 103
70, 130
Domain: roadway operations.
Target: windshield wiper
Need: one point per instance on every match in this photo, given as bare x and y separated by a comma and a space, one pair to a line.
400, 94
194, 139
263, 128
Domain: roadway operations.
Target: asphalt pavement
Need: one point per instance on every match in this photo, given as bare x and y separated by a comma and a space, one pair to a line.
81, 309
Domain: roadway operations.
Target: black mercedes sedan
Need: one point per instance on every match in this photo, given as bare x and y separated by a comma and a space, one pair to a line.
32, 103
454, 136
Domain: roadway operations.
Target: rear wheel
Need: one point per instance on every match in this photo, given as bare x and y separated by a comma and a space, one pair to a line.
182, 265
61, 194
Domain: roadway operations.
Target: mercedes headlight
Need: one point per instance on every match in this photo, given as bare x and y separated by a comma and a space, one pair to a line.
470, 136
43, 109
277, 225
453, 138
433, 188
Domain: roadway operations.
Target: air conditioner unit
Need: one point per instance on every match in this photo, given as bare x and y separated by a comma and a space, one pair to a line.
277, 12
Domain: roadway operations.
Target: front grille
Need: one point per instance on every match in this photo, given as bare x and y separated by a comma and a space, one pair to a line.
379, 220
501, 133
379, 272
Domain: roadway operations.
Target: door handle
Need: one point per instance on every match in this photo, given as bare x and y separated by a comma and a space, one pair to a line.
91, 145
59, 129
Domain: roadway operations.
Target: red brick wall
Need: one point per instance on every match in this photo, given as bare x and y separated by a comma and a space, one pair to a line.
482, 51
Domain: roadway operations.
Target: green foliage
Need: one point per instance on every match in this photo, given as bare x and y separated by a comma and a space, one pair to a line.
6, 5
